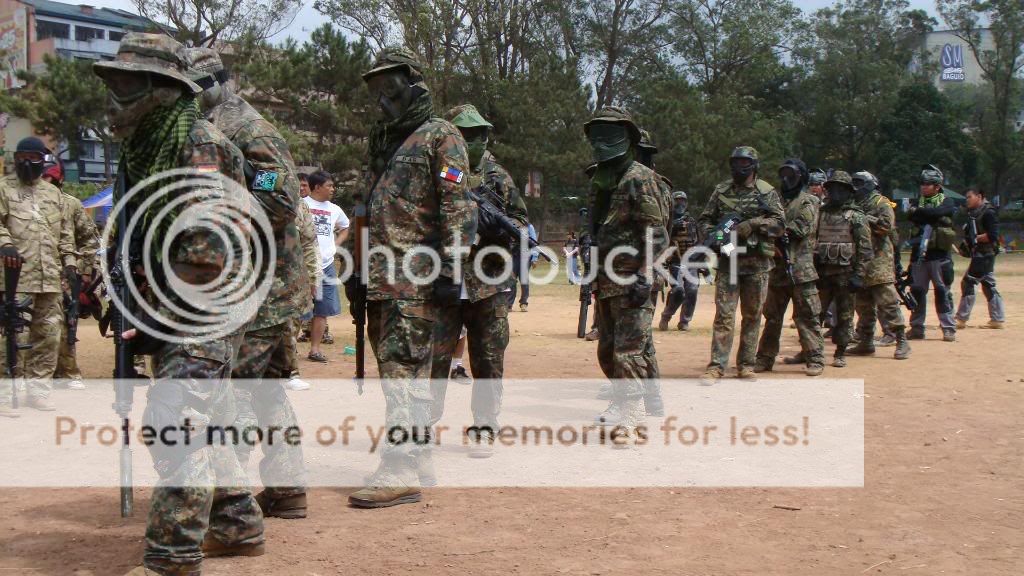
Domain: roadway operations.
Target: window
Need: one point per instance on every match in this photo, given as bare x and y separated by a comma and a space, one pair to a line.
45, 29
84, 33
115, 36
88, 150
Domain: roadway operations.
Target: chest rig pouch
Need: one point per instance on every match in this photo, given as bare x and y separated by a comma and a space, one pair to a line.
835, 239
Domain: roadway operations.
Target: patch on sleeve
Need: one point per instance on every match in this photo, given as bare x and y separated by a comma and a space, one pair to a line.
265, 181
452, 174
207, 168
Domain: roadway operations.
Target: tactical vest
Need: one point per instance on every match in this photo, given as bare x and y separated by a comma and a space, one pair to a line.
835, 238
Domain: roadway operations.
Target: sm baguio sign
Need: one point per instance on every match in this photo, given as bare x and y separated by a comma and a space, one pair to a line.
952, 63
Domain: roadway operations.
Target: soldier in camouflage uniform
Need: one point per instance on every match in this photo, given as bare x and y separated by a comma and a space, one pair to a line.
684, 235
878, 300
484, 308
36, 236
155, 112
762, 219
627, 203
262, 365
842, 254
311, 261
415, 198
798, 283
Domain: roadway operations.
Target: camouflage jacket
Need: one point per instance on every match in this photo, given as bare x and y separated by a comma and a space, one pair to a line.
310, 258
878, 211
271, 177
802, 228
843, 241
758, 203
635, 206
33, 219
419, 203
84, 231
683, 235
496, 178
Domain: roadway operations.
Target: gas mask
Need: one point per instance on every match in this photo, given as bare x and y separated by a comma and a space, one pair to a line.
391, 92
608, 141
132, 96
741, 169
791, 180
862, 187
29, 166
837, 195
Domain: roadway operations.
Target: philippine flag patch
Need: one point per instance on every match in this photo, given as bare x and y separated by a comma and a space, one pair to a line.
451, 174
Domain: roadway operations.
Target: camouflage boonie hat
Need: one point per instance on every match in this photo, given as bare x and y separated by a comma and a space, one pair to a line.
204, 64
396, 58
840, 177
615, 115
745, 152
646, 143
153, 53
930, 174
467, 116
679, 195
817, 176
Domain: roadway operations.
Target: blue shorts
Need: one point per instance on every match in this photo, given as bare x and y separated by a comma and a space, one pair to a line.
329, 305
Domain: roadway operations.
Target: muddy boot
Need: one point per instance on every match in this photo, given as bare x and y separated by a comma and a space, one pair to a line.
663, 324
213, 548
425, 468
839, 359
902, 346
814, 370
746, 373
865, 345
711, 376
289, 507
794, 360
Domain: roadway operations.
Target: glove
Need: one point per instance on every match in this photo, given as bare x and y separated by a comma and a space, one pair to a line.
856, 283
446, 292
744, 229
12, 259
71, 273
639, 293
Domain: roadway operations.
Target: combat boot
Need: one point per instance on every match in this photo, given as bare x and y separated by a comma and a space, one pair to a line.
994, 325
763, 366
839, 359
746, 373
916, 333
593, 336
902, 346
40, 403
885, 341
711, 376
814, 370
663, 324
865, 345
213, 548
6, 411
289, 507
794, 360
387, 488
683, 326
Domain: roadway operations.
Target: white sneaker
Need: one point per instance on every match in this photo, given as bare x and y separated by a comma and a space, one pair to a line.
76, 384
296, 384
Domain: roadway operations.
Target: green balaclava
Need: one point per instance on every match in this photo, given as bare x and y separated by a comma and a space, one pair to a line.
608, 141
475, 129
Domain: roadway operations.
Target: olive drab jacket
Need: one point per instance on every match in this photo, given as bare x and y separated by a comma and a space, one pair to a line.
758, 203
33, 218
801, 227
878, 211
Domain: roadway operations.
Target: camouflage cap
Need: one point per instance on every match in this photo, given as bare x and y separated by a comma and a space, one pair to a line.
646, 142
157, 54
817, 176
840, 177
679, 195
615, 115
467, 116
930, 174
204, 63
745, 152
396, 58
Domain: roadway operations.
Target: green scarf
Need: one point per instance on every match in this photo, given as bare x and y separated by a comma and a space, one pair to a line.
933, 201
386, 137
603, 184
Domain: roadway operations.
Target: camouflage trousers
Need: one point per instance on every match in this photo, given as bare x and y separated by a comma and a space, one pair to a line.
260, 369
806, 314
625, 349
67, 362
836, 288
37, 363
202, 487
878, 303
486, 323
749, 292
400, 333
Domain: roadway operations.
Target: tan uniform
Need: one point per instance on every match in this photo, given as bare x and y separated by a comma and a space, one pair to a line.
32, 218
86, 245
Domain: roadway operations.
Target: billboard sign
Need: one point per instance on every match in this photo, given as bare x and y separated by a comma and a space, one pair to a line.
953, 63
13, 47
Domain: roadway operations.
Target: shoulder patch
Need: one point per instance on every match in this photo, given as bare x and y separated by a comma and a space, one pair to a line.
265, 181
452, 174
206, 168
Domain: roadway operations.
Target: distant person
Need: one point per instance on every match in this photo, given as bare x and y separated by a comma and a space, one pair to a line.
982, 270
523, 276
331, 225
933, 212
571, 249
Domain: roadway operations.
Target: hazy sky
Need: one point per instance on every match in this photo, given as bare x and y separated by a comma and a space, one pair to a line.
309, 19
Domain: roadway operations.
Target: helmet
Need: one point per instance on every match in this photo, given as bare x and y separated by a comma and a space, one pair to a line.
679, 195
741, 152
817, 177
205, 67
864, 182
840, 177
798, 166
930, 174
157, 54
646, 143
745, 152
396, 58
467, 116
615, 115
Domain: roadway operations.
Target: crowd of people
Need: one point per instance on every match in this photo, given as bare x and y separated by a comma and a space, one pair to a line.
825, 241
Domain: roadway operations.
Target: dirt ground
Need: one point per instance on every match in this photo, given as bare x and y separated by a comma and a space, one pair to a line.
943, 493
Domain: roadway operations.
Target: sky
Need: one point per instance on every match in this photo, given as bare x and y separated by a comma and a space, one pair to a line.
309, 19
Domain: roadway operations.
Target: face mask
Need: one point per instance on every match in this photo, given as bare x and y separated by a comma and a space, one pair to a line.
790, 180
862, 188
741, 173
125, 115
476, 151
391, 92
608, 142
29, 171
836, 196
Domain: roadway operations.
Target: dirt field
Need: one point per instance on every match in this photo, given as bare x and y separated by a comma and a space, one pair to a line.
943, 494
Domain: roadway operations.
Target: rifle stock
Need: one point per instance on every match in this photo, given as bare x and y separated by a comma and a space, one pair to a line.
359, 302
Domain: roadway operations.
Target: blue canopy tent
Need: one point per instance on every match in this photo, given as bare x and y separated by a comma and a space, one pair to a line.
102, 202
